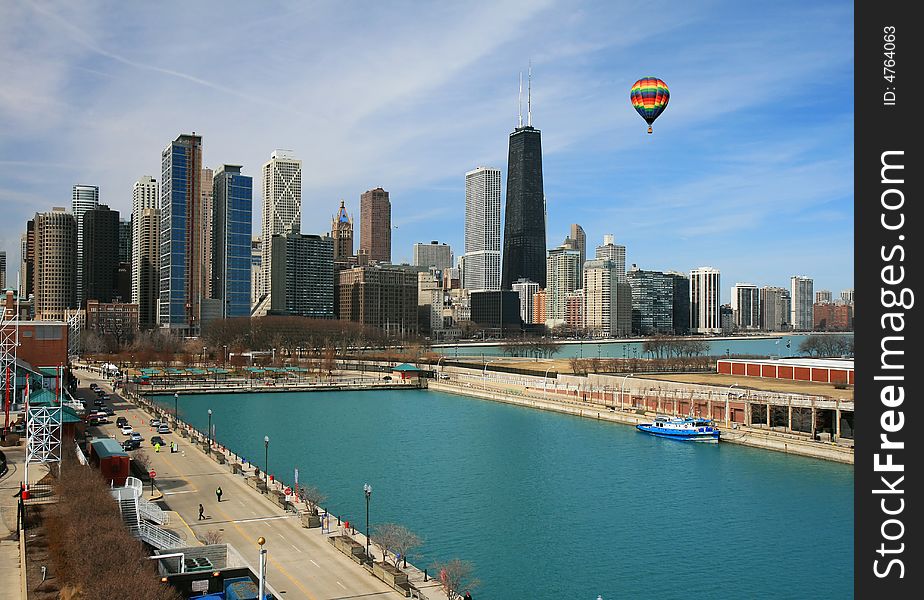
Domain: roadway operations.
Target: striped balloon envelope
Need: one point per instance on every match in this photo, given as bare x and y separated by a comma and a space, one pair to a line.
649, 97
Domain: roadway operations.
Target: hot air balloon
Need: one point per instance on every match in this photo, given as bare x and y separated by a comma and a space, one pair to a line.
649, 96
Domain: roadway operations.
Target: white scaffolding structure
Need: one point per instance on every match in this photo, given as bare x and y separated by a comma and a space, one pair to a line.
43, 432
74, 325
9, 342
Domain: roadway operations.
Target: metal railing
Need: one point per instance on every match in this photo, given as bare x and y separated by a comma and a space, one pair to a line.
159, 538
152, 512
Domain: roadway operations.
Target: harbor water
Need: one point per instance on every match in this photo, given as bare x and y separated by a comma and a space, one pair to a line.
548, 506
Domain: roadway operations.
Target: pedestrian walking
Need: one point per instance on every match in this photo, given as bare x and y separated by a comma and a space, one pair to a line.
218, 493
201, 512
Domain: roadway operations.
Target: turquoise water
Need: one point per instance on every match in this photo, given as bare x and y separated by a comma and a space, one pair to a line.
549, 506
717, 347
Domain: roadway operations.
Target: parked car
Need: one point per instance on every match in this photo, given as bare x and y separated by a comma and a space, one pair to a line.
154, 422
94, 387
127, 429
387, 378
121, 421
101, 417
131, 444
135, 436
108, 410
92, 420
158, 440
163, 428
97, 402
444, 376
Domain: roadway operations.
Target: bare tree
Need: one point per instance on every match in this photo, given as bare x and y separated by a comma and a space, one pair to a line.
456, 577
312, 497
211, 536
396, 540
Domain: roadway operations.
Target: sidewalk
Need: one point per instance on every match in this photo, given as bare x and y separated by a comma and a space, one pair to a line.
10, 572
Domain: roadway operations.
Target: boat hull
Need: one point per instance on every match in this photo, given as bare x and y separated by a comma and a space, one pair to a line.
711, 437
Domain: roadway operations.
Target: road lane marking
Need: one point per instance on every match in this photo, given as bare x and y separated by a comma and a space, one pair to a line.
341, 585
261, 519
315, 564
179, 492
297, 549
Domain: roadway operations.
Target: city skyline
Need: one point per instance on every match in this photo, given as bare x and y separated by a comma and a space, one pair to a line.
773, 188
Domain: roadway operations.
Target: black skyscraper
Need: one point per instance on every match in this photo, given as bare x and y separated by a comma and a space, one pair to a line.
524, 225
100, 254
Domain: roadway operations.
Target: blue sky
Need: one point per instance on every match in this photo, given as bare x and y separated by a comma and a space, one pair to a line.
750, 168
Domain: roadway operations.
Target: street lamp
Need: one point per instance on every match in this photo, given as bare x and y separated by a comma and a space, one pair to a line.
545, 381
367, 490
203, 355
176, 404
261, 540
622, 386
727, 394
266, 458
209, 433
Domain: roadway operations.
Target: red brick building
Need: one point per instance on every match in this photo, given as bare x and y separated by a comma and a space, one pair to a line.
833, 317
41, 343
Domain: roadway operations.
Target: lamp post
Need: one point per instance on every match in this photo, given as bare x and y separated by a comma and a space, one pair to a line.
727, 394
209, 433
202, 362
176, 405
545, 381
224, 355
266, 458
367, 490
622, 386
262, 592
438, 364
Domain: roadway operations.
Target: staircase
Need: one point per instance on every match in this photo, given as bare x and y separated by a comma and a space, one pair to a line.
142, 518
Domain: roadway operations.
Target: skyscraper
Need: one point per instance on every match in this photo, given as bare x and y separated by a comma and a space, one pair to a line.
146, 275
745, 303
660, 302
375, 225
27, 258
481, 260
144, 197
282, 204
580, 243
607, 299
613, 252
55, 264
2, 269
181, 272
705, 300
125, 242
341, 231
381, 296
563, 265
524, 228
256, 269
232, 200
822, 296
433, 254
774, 308
100, 254
206, 206
303, 283
83, 198
526, 289
801, 292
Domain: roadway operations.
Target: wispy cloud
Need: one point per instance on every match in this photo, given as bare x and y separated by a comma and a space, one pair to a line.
409, 96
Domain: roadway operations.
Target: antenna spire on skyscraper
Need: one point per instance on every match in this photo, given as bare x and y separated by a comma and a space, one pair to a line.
520, 103
529, 95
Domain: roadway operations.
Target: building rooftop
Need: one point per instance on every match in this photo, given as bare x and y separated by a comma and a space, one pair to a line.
818, 363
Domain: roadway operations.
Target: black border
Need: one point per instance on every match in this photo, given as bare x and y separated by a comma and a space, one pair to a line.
881, 128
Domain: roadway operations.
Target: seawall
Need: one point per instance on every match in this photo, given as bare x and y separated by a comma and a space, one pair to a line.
741, 435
